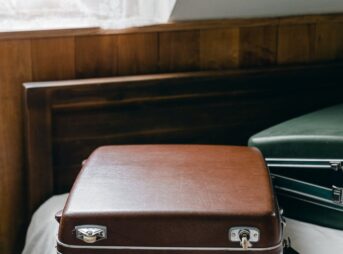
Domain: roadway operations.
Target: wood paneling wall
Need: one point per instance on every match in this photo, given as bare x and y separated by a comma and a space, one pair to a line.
187, 46
15, 68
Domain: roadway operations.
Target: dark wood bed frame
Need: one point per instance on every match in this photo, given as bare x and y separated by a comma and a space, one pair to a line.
66, 120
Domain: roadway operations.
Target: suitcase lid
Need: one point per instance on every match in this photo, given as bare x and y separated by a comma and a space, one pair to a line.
179, 196
318, 135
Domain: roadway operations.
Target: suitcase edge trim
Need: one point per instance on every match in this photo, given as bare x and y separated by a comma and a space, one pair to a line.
153, 248
333, 164
326, 199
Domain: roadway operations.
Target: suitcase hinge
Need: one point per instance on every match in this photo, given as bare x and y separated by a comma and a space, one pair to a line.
337, 195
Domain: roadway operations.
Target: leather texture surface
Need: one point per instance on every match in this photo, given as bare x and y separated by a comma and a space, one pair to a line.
315, 135
172, 196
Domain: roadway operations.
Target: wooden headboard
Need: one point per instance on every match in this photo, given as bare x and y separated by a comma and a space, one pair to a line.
66, 120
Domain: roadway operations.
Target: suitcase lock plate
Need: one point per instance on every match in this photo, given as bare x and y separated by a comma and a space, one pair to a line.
337, 195
244, 235
91, 233
336, 165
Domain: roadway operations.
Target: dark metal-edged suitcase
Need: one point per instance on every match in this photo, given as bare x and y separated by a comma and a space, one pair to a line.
305, 157
171, 199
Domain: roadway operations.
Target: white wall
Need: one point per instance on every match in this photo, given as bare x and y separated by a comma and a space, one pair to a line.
212, 9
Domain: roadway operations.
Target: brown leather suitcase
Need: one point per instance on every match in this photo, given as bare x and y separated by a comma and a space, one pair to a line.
171, 199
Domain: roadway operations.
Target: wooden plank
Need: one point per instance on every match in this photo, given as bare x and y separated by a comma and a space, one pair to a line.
311, 19
38, 125
15, 68
296, 44
137, 53
53, 59
179, 51
219, 49
329, 42
49, 33
96, 56
258, 46
126, 120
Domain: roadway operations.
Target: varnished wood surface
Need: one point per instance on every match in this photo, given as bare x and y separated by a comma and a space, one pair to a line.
329, 41
219, 49
53, 58
15, 68
95, 56
258, 46
296, 44
184, 46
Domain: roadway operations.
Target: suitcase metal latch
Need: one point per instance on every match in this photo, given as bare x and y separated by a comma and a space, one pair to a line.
337, 195
245, 236
336, 165
91, 233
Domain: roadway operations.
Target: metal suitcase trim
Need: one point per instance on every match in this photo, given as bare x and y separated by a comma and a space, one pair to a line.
285, 191
326, 164
334, 164
151, 248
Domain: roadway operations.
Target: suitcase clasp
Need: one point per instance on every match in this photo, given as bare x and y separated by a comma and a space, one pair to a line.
337, 195
244, 235
336, 165
91, 233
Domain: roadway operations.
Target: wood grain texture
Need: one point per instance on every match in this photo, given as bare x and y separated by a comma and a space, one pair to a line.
296, 44
219, 49
15, 68
53, 59
137, 54
38, 125
329, 42
258, 46
96, 56
183, 46
179, 51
